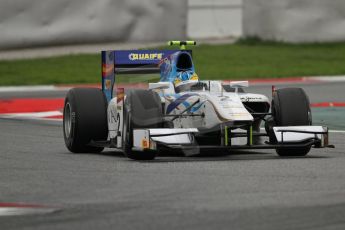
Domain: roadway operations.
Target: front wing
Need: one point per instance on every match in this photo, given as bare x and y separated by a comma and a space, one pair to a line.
286, 136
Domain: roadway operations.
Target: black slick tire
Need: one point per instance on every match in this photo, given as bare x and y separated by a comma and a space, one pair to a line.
290, 107
85, 119
142, 109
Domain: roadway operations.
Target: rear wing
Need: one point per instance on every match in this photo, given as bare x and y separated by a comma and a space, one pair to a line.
130, 62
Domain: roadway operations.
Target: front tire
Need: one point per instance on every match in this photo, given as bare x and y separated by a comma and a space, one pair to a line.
142, 109
291, 107
84, 119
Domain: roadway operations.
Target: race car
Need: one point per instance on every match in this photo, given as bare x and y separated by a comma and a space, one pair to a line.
182, 113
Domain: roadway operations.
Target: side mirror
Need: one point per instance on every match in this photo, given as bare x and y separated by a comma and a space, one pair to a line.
159, 85
239, 84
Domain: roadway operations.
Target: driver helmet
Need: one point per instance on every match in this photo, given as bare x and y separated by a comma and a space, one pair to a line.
185, 80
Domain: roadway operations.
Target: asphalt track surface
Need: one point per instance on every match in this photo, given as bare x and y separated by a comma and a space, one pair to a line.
243, 190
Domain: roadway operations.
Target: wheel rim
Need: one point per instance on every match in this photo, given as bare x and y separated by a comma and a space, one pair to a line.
67, 119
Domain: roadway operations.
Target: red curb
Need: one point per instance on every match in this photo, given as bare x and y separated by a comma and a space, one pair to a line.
120, 85
328, 104
32, 105
282, 80
55, 117
29, 105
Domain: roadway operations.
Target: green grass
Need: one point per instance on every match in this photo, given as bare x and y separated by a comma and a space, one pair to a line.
55, 70
246, 59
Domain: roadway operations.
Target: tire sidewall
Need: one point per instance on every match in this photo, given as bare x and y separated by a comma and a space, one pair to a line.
71, 138
277, 110
126, 136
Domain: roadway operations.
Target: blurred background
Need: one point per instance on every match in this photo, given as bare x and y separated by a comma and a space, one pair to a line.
50, 46
35, 23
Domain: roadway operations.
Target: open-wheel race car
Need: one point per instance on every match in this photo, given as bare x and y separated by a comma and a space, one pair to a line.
182, 112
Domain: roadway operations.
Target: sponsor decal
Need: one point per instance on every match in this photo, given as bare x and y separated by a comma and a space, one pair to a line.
145, 144
107, 84
145, 56
112, 117
247, 99
120, 93
107, 69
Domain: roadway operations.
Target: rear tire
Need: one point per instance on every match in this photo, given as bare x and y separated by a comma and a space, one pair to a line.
142, 109
290, 107
85, 119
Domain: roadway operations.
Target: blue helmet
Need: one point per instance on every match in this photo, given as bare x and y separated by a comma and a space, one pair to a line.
178, 68
184, 80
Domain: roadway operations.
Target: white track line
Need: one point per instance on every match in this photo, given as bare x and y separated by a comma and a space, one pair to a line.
336, 131
328, 78
32, 115
16, 211
36, 88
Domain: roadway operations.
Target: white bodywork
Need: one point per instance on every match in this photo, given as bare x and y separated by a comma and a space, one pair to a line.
294, 134
213, 106
217, 105
167, 136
